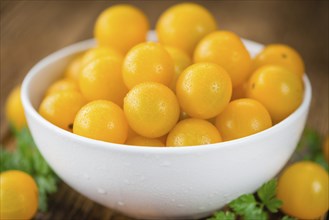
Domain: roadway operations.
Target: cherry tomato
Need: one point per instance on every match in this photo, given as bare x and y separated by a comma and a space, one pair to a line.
278, 89
121, 27
184, 25
242, 117
18, 195
281, 55
304, 190
191, 132
14, 109
101, 120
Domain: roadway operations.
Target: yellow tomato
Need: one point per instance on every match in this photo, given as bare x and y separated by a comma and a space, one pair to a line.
227, 50
99, 52
242, 117
65, 84
303, 188
147, 62
181, 61
281, 55
14, 109
184, 25
203, 90
60, 108
101, 120
121, 27
190, 132
278, 89
18, 195
152, 109
73, 69
144, 141
102, 79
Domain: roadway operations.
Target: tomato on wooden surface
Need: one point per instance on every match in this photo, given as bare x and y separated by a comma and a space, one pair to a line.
304, 190
14, 109
18, 195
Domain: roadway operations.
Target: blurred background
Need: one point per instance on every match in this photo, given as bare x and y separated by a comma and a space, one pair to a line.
31, 30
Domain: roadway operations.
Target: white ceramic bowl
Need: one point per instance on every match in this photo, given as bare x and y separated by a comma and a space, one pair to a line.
158, 183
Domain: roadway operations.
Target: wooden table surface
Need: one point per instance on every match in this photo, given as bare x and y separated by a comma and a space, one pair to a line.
30, 30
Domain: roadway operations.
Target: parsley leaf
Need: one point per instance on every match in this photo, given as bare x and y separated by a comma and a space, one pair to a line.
250, 207
267, 194
263, 202
243, 204
221, 215
27, 158
256, 213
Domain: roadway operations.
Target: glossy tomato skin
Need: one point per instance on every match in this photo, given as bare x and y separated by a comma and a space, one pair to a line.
281, 55
203, 90
109, 30
177, 28
241, 118
18, 195
278, 89
14, 109
303, 189
226, 49
93, 121
151, 109
192, 132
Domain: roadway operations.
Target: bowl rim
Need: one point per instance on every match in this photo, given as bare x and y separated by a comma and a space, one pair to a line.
82, 46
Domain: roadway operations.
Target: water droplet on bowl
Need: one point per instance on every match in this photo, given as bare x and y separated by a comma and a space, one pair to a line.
121, 203
201, 208
101, 191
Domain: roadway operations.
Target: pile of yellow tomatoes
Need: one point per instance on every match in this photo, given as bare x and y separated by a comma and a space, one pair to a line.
197, 85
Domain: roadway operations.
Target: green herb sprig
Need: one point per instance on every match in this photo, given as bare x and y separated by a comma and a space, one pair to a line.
253, 206
264, 202
26, 157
